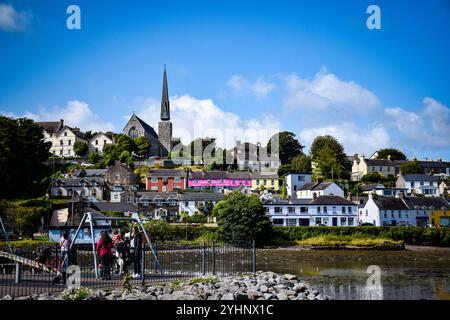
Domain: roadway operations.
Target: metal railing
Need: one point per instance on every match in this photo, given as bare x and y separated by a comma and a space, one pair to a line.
175, 261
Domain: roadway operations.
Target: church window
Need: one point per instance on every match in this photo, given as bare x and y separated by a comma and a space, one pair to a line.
65, 134
133, 133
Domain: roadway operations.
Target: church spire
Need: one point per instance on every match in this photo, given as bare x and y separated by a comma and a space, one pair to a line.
165, 107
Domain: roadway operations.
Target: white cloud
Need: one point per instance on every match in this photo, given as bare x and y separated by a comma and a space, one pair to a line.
428, 128
260, 88
12, 20
328, 97
75, 114
193, 118
354, 139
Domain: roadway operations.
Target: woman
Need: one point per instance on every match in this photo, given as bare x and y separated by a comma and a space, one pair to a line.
64, 244
103, 249
136, 247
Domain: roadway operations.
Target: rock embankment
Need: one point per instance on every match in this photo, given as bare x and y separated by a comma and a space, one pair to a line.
261, 286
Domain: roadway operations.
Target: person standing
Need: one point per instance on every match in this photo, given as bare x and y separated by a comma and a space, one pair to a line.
64, 244
103, 249
136, 248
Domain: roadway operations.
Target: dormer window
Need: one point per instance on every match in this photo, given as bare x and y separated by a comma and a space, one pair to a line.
96, 142
65, 134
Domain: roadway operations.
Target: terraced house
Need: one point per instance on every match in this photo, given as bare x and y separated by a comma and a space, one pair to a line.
325, 210
166, 180
216, 180
405, 211
90, 187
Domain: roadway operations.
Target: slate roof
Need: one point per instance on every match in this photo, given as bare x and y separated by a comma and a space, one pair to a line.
90, 172
51, 126
419, 177
384, 162
390, 203
330, 200
201, 196
315, 186
114, 206
372, 186
167, 173
76, 182
263, 175
435, 202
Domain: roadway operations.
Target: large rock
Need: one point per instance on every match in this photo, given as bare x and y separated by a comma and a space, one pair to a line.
282, 296
254, 294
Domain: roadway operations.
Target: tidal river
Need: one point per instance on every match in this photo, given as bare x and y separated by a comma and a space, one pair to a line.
412, 274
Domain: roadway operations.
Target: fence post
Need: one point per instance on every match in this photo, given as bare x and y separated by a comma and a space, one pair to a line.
143, 263
254, 255
213, 253
18, 274
203, 258
156, 256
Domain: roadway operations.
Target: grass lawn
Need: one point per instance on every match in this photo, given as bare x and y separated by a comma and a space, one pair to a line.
347, 241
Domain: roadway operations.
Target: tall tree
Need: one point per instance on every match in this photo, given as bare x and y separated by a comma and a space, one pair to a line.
288, 146
22, 153
411, 167
390, 153
80, 148
142, 146
242, 217
125, 143
328, 155
301, 163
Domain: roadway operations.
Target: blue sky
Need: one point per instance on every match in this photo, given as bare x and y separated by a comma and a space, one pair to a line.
310, 67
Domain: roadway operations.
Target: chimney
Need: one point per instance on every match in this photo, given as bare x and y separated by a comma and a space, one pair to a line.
370, 195
61, 121
314, 196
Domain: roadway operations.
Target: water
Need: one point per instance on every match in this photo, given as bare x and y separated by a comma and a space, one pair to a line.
363, 275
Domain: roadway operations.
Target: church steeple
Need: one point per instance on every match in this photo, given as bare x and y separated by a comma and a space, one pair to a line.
165, 107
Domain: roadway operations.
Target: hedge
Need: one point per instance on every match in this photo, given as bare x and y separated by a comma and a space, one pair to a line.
410, 235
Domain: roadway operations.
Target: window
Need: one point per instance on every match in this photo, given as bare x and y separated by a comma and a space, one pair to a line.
96, 142
159, 202
412, 184
272, 182
65, 134
291, 209
325, 209
303, 209
60, 152
195, 181
277, 209
367, 212
318, 221
291, 222
277, 222
266, 209
61, 143
351, 221
209, 181
318, 209
177, 179
186, 204
154, 188
350, 210
133, 133
343, 221
343, 209
257, 182
117, 177
154, 179
301, 178
116, 196
104, 141
70, 142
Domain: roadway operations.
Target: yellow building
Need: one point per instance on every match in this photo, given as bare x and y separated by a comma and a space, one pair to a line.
440, 216
270, 181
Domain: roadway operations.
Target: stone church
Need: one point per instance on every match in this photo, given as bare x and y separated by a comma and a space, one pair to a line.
161, 142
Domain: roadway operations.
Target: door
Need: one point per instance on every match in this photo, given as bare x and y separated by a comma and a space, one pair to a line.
334, 221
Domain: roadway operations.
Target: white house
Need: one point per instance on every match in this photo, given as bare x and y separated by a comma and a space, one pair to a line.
294, 181
190, 202
313, 190
324, 210
387, 211
98, 142
424, 184
381, 190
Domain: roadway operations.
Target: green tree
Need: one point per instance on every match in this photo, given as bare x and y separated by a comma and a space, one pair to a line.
328, 164
283, 191
125, 143
242, 217
23, 220
125, 157
23, 151
390, 153
301, 163
288, 146
411, 167
80, 148
373, 177
142, 146
93, 157
328, 155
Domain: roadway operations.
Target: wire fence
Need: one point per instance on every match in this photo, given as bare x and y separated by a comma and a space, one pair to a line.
22, 274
